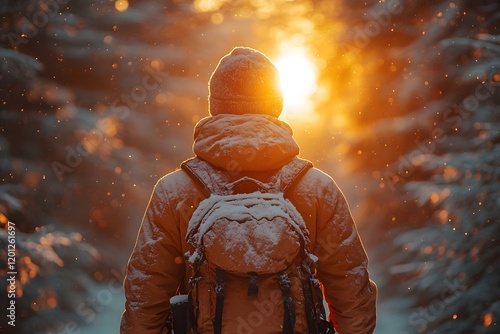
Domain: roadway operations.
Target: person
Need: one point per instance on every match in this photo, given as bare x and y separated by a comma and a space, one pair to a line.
244, 137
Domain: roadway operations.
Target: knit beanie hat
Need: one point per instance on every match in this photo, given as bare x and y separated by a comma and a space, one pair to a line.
245, 82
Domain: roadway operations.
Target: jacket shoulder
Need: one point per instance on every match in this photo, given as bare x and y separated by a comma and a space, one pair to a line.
176, 177
317, 184
177, 184
317, 179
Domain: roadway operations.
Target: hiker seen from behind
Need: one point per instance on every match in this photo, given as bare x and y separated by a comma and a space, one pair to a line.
246, 237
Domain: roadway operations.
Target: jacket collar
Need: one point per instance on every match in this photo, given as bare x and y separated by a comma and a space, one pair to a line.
249, 142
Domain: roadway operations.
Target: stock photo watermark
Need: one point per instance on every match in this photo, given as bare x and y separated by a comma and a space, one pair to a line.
96, 303
30, 27
263, 311
453, 116
11, 273
361, 36
121, 109
420, 319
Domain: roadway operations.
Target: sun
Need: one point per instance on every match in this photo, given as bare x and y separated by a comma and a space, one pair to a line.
298, 81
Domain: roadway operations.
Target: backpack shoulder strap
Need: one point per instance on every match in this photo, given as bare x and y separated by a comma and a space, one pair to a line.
217, 181
289, 174
214, 180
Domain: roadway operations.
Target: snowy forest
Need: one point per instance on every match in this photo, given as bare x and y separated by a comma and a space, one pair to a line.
398, 100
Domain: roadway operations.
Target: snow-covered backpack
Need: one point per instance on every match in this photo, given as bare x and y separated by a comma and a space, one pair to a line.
251, 269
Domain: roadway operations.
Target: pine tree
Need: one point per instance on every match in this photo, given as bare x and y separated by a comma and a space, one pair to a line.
88, 104
431, 147
99, 99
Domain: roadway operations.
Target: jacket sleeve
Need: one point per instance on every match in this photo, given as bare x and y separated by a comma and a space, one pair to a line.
155, 268
343, 266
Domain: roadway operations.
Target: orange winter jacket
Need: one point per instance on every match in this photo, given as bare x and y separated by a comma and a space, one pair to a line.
255, 146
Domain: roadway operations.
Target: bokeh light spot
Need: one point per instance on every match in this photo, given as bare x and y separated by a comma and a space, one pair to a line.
121, 5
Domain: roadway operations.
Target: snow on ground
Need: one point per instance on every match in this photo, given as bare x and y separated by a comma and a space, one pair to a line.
105, 308
392, 316
392, 312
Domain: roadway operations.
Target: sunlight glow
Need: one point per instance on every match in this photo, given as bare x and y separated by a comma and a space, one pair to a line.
298, 81
121, 5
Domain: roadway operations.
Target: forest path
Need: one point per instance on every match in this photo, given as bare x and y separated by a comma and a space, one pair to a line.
392, 311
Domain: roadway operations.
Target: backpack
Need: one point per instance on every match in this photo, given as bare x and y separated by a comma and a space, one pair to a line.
251, 269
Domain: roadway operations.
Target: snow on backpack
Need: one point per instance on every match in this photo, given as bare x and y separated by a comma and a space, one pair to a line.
251, 269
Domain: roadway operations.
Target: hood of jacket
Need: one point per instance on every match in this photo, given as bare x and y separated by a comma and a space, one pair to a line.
250, 142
